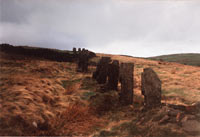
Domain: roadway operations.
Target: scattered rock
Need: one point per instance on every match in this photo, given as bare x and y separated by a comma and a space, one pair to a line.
188, 117
173, 112
34, 124
177, 107
194, 108
164, 120
179, 116
191, 126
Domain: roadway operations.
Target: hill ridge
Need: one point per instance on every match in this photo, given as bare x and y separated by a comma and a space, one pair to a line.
182, 58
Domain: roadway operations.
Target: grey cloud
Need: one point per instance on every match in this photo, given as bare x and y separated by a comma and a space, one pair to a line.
12, 11
138, 28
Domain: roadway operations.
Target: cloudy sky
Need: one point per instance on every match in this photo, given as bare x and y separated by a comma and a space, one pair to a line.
132, 27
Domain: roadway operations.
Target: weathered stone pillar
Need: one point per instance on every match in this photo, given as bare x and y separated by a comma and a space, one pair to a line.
127, 83
113, 75
79, 60
75, 55
83, 58
151, 88
74, 51
79, 50
101, 73
85, 61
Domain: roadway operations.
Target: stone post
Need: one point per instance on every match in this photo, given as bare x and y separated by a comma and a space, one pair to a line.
151, 88
113, 75
74, 51
101, 73
79, 50
83, 59
127, 83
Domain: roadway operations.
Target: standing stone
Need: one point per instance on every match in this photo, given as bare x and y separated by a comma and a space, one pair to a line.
126, 79
101, 73
79, 60
151, 88
75, 54
74, 51
83, 59
113, 75
79, 50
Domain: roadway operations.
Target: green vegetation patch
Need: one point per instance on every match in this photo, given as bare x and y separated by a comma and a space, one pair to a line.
66, 83
187, 59
87, 95
129, 128
166, 92
105, 133
161, 72
178, 91
139, 66
88, 84
166, 131
69, 69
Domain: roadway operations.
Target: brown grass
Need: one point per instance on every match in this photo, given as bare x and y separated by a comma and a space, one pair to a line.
76, 119
172, 75
32, 92
71, 89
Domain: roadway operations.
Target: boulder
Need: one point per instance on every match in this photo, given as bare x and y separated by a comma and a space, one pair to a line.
191, 126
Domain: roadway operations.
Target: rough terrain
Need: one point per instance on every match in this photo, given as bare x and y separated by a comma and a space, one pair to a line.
41, 97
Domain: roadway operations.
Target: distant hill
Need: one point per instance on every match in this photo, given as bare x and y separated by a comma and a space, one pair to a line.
186, 58
45, 53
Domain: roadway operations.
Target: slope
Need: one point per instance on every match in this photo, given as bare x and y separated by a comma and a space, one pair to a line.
187, 58
42, 97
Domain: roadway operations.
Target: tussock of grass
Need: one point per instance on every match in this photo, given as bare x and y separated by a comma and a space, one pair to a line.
76, 119
70, 86
138, 101
87, 95
176, 91
88, 84
66, 83
124, 129
164, 131
38, 93
139, 66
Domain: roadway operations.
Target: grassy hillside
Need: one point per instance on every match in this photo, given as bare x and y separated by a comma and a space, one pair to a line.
44, 97
187, 59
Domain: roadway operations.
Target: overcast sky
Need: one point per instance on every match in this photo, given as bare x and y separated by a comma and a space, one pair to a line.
132, 27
